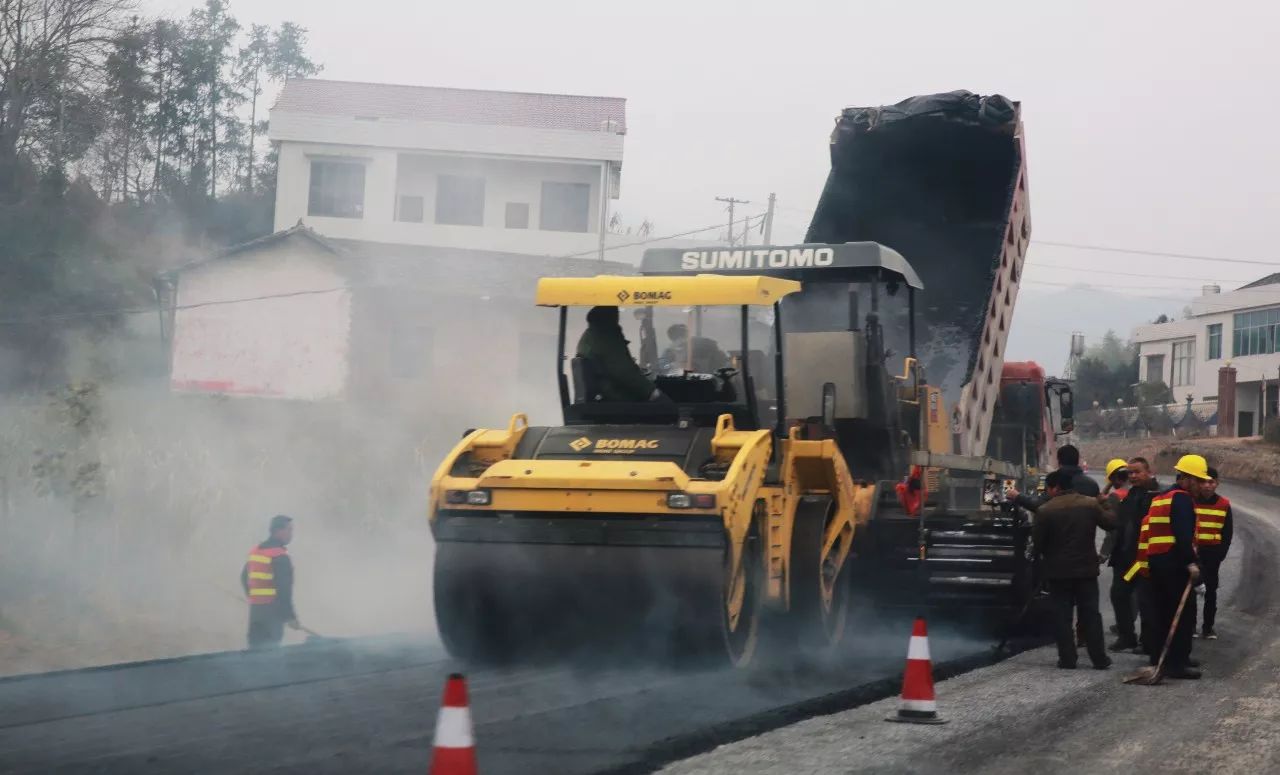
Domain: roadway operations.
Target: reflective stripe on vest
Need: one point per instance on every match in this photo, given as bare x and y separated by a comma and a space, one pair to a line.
1140, 565
262, 585
1210, 519
1156, 536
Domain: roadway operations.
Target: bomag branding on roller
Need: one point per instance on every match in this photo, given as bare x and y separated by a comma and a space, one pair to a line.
803, 445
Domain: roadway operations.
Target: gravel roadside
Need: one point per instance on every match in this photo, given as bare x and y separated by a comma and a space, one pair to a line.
1025, 715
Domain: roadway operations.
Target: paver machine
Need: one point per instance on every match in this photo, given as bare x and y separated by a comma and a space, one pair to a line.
842, 448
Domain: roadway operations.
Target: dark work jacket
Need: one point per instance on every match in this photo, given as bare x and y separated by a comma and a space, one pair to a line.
1182, 521
1128, 523
282, 570
1065, 533
619, 376
1081, 483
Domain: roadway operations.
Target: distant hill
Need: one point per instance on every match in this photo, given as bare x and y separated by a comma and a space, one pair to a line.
1044, 319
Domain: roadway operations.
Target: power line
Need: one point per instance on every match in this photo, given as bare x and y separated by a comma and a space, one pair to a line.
1156, 253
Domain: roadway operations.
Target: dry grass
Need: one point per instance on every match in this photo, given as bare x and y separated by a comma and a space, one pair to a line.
1248, 460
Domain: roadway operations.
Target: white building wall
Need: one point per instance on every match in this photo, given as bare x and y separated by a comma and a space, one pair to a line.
1220, 309
447, 138
389, 173
294, 347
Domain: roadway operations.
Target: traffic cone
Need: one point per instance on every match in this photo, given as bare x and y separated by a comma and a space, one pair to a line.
455, 747
918, 705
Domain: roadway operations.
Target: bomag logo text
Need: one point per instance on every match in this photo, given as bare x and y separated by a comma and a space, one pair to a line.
623, 446
640, 297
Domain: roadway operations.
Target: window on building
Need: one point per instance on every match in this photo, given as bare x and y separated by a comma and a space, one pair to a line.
517, 215
459, 200
1254, 333
565, 207
1155, 368
409, 209
1215, 341
337, 189
1184, 363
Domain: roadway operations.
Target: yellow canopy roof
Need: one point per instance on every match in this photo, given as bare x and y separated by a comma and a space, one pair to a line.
705, 290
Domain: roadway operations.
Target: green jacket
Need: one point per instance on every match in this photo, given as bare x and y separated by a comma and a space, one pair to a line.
619, 376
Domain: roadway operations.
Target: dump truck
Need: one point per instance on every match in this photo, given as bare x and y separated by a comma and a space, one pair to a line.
845, 448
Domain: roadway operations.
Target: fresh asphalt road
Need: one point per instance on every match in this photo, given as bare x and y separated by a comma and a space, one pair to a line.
370, 705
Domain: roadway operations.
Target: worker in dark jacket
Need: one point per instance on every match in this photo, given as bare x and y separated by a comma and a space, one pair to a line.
697, 354
1214, 530
617, 377
1125, 595
1064, 534
1170, 558
267, 579
1077, 481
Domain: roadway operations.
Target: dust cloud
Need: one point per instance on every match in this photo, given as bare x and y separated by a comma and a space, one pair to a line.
127, 511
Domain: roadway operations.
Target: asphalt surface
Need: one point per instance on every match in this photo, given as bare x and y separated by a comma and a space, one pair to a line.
370, 706
1025, 715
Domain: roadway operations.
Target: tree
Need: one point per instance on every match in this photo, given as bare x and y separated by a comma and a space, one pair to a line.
49, 53
127, 94
1152, 393
253, 65
289, 58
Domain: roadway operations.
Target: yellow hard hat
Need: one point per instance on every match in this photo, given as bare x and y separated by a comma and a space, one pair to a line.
1114, 465
1193, 465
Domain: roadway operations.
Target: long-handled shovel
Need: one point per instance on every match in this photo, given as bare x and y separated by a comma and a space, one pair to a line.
1150, 676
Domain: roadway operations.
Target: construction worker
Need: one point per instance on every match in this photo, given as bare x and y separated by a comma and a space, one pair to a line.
1116, 489
1064, 534
617, 377
1214, 529
1126, 598
696, 354
1078, 481
1167, 554
267, 579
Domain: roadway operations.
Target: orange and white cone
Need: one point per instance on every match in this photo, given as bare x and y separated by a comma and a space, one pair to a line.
455, 747
918, 705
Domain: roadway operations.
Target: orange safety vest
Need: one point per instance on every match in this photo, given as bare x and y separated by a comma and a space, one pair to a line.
1156, 535
1121, 492
1210, 519
262, 585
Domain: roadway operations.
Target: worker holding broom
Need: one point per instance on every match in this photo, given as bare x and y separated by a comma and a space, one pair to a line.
267, 580
1169, 557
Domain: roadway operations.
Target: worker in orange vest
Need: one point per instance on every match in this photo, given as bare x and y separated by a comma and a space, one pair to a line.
1167, 557
1213, 538
267, 579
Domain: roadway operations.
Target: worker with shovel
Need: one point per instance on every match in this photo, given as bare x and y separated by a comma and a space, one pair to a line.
1170, 558
267, 580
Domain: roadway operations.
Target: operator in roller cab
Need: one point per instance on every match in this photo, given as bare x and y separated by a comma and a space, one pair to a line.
604, 347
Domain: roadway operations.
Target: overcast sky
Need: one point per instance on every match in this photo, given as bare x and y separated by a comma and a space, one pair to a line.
1150, 125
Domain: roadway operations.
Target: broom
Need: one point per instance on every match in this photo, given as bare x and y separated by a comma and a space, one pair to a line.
1150, 676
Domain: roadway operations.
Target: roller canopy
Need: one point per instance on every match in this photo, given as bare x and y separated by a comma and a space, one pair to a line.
703, 290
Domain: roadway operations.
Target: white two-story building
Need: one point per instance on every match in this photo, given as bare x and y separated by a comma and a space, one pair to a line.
1240, 329
500, 172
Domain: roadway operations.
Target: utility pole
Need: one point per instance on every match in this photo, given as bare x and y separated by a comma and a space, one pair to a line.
732, 202
768, 219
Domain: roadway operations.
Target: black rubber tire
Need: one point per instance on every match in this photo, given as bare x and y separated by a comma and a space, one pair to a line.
742, 645
813, 627
466, 620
